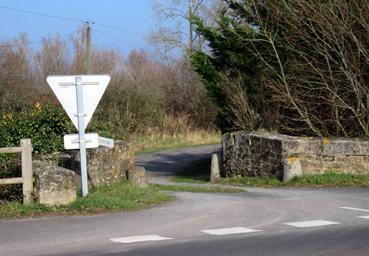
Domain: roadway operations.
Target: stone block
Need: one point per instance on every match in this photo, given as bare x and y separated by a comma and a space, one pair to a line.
137, 177
109, 165
291, 168
55, 185
105, 165
214, 168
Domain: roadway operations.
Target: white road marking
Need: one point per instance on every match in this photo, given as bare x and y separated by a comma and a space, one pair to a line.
312, 223
355, 209
229, 231
291, 198
364, 217
135, 239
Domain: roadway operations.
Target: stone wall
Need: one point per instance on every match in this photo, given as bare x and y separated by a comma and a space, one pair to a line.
109, 165
268, 154
105, 165
58, 176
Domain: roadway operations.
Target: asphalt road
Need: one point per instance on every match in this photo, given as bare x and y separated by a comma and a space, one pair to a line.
257, 222
163, 164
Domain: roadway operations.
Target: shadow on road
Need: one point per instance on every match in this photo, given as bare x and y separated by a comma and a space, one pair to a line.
170, 162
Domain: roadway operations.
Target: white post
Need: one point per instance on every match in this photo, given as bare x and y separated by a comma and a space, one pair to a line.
81, 133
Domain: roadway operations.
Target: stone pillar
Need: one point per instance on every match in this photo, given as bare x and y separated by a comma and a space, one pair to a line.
137, 177
214, 171
291, 168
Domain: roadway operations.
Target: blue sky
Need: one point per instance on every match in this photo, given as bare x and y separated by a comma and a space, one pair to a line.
131, 15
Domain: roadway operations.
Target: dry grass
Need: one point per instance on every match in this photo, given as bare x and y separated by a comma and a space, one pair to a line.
162, 141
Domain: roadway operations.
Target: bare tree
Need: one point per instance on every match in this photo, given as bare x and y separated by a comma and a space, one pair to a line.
175, 29
15, 72
318, 57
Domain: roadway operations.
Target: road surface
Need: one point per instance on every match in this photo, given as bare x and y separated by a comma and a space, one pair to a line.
257, 222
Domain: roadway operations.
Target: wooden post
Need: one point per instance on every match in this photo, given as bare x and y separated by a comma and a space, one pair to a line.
27, 173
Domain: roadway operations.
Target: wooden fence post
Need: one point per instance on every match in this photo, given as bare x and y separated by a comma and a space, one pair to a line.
27, 173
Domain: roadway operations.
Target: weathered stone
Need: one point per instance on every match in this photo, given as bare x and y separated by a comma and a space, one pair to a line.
214, 170
291, 168
248, 154
40, 161
55, 185
268, 154
137, 177
109, 165
105, 165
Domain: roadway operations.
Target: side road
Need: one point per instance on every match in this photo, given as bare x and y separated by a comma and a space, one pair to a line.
166, 163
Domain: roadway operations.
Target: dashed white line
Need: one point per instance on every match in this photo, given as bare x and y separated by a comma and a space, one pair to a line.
229, 231
135, 239
291, 198
312, 223
355, 209
364, 217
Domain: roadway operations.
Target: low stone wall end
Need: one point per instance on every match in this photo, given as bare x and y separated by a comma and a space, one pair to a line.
272, 154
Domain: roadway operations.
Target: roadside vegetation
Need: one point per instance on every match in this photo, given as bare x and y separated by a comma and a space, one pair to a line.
145, 144
199, 172
197, 189
153, 103
117, 197
330, 179
294, 67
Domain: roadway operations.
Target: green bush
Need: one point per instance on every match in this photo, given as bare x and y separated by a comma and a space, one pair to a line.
44, 125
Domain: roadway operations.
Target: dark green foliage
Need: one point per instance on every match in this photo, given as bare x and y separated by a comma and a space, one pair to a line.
230, 59
44, 125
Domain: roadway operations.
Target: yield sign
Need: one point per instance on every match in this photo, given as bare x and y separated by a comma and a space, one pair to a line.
64, 88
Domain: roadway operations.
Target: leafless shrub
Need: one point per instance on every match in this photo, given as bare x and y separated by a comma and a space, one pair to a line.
143, 95
318, 55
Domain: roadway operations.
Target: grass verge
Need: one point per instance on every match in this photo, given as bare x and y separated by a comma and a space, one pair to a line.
330, 179
158, 142
193, 189
120, 196
199, 172
117, 197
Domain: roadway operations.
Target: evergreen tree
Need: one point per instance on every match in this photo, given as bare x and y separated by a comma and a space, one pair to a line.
230, 67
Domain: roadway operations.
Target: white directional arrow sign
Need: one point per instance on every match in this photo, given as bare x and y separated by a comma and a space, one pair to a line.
64, 88
71, 141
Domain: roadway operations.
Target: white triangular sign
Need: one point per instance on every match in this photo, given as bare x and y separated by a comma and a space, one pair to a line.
64, 88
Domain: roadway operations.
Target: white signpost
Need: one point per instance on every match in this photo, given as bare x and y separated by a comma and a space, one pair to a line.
79, 96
